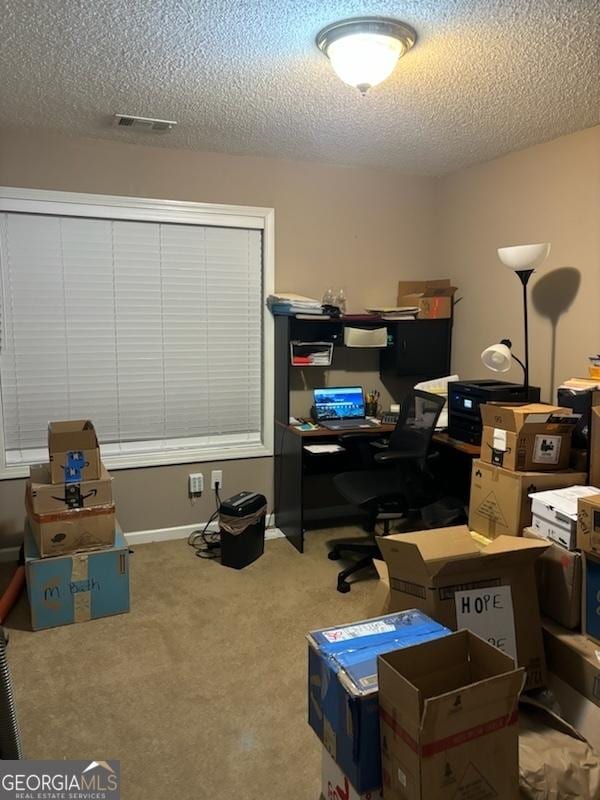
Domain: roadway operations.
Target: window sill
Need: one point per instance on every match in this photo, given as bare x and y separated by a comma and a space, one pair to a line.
167, 458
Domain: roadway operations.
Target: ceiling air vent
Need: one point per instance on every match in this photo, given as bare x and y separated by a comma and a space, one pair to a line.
143, 123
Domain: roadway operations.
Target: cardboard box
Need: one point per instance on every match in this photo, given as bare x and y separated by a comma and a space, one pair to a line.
588, 524
534, 436
336, 786
499, 502
434, 299
77, 587
428, 568
342, 688
74, 452
590, 608
72, 531
448, 713
573, 658
559, 580
554, 513
47, 497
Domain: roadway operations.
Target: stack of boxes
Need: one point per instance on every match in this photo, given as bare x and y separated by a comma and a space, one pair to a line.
522, 486
76, 558
524, 449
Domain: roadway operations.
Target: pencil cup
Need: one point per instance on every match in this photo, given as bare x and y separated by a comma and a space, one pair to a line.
371, 409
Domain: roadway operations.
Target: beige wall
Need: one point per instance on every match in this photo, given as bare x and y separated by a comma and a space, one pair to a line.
356, 228
550, 192
363, 229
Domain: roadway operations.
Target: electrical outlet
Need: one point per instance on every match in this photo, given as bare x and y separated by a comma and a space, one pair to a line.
196, 483
216, 477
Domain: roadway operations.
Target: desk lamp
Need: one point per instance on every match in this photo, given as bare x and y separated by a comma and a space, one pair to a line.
523, 260
497, 357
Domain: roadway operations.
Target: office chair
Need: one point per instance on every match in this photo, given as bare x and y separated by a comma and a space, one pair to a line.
397, 481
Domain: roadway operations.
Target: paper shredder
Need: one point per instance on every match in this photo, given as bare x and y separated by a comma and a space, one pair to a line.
242, 526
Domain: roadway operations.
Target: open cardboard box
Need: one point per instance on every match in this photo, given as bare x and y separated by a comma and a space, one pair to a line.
433, 298
74, 452
448, 712
427, 568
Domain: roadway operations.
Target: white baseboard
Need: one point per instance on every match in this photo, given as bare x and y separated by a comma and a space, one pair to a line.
159, 535
183, 531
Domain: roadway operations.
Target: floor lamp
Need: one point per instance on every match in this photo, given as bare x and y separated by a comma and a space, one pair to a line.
523, 260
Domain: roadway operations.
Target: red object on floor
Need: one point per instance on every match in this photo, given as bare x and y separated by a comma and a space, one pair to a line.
12, 592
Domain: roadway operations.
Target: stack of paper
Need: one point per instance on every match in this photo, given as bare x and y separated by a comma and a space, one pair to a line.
290, 304
395, 312
319, 449
581, 385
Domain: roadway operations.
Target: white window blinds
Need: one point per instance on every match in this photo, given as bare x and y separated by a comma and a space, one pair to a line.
151, 330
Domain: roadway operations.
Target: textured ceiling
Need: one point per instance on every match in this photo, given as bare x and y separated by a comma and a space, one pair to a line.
486, 76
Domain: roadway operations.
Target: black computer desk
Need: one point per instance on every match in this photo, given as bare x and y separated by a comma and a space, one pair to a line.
305, 495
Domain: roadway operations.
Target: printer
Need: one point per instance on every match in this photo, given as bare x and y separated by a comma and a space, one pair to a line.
465, 397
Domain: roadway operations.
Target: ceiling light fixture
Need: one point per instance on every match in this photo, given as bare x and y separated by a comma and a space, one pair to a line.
364, 51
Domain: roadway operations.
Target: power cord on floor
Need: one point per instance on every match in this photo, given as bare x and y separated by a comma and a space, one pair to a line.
207, 543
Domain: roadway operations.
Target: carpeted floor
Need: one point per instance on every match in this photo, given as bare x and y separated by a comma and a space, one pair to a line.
201, 690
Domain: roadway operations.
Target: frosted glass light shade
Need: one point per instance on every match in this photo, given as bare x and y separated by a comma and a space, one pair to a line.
363, 51
364, 59
497, 357
524, 256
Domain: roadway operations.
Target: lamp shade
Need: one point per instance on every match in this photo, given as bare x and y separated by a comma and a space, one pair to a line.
364, 59
497, 357
364, 50
524, 256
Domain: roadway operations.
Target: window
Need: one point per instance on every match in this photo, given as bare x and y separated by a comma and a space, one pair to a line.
147, 317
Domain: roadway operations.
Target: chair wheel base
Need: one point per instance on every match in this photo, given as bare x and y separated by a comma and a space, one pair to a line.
343, 587
333, 555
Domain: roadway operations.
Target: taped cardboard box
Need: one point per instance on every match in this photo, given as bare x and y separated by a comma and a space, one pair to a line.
530, 437
342, 687
76, 587
448, 712
75, 530
47, 497
591, 598
428, 568
74, 452
588, 524
499, 502
574, 659
559, 575
336, 786
434, 298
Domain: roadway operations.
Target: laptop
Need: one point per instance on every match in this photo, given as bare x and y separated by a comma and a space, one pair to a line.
341, 408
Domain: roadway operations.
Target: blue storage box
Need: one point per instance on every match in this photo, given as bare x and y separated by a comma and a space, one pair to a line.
78, 586
342, 687
591, 598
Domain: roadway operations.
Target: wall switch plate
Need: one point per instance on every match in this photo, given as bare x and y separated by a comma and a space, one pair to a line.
216, 477
196, 483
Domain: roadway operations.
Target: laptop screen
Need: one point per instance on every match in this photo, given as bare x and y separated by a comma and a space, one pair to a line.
341, 402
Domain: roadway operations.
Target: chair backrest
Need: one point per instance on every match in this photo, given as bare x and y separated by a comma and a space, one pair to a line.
419, 414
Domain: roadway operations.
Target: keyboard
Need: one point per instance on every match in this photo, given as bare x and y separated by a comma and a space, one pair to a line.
347, 424
389, 418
